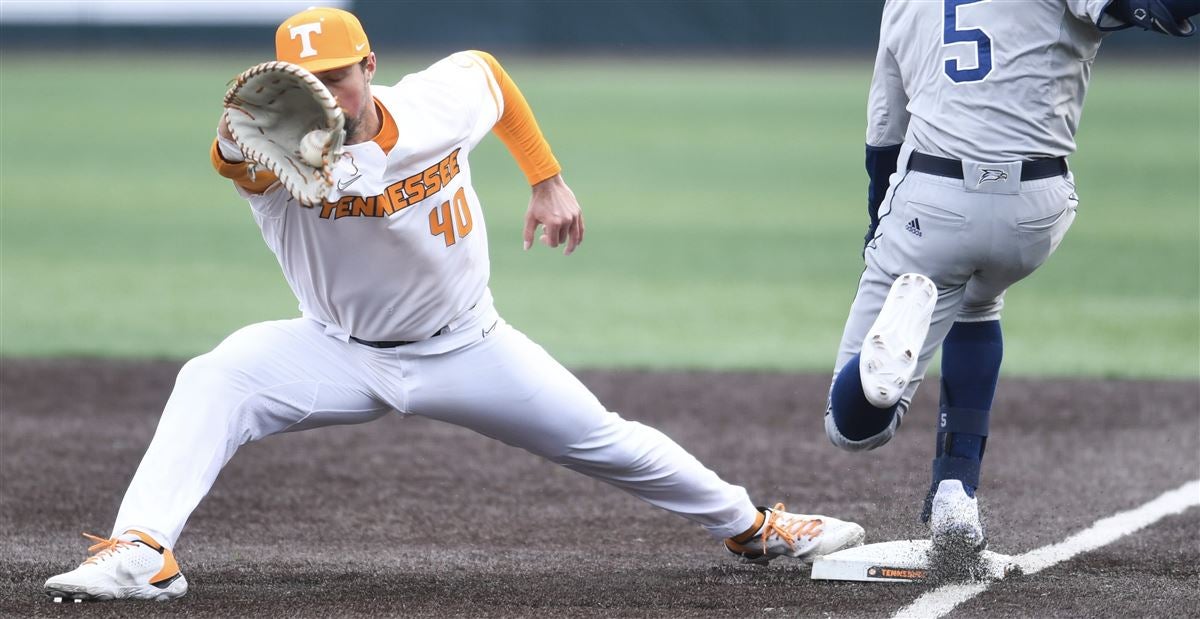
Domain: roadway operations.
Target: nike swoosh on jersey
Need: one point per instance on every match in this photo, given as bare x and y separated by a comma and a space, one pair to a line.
342, 185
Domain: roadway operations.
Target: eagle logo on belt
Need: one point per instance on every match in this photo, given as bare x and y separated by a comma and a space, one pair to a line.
990, 174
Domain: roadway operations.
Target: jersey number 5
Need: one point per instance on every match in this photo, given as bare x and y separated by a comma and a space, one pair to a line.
953, 34
447, 220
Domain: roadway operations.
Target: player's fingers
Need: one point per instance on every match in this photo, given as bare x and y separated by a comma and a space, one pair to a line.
551, 234
572, 239
530, 228
576, 233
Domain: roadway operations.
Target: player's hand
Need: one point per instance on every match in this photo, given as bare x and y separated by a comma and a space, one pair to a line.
554, 207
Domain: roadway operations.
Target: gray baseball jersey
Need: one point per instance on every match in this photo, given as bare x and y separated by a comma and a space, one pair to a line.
989, 85
1019, 71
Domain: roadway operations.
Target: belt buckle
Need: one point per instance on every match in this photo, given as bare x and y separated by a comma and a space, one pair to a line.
1002, 177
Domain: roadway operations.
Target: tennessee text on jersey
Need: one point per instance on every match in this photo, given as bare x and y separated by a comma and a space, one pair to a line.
398, 195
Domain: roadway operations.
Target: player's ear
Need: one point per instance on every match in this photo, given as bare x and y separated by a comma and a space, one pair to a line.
368, 65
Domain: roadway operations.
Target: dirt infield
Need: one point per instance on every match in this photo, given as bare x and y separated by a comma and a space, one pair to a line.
411, 517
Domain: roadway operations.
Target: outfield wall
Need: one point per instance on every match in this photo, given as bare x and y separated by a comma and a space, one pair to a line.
504, 26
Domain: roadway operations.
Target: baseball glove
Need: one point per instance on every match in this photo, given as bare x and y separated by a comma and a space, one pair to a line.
286, 121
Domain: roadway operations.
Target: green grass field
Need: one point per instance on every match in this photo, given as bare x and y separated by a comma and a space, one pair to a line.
724, 204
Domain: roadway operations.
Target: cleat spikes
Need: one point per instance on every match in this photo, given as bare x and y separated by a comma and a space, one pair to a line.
890, 352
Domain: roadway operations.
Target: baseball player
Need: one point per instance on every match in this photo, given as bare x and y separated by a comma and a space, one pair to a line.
972, 112
391, 272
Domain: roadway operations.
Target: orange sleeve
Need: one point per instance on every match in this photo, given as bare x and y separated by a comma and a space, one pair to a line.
239, 172
518, 129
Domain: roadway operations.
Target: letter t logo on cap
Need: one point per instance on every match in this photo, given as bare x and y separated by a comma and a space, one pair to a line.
320, 39
305, 31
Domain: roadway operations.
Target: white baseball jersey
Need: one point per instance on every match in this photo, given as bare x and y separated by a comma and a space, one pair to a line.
1019, 68
404, 208
397, 252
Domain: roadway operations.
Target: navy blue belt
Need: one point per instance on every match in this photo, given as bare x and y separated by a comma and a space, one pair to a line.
1031, 170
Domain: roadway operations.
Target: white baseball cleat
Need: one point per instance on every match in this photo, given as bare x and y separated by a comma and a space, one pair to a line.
893, 344
783, 534
131, 565
954, 518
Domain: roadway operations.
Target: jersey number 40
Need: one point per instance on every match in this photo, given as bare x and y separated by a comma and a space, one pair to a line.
952, 34
447, 220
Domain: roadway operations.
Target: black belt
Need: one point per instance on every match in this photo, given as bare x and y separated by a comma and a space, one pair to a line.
952, 168
396, 343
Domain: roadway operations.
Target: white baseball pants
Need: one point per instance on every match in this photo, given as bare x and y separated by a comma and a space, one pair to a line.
288, 375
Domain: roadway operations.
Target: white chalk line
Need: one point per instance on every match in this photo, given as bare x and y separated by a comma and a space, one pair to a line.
944, 599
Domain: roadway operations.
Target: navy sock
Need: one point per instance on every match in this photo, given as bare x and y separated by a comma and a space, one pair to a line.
856, 418
971, 357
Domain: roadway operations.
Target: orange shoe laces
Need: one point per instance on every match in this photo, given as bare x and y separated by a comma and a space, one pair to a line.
788, 527
103, 547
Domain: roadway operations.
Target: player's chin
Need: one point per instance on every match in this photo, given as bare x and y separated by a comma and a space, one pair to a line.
352, 127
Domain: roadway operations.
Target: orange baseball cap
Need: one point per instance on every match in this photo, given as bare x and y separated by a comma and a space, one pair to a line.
321, 39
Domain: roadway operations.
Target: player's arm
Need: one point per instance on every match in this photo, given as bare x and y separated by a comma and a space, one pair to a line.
887, 122
228, 161
552, 204
1163, 16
